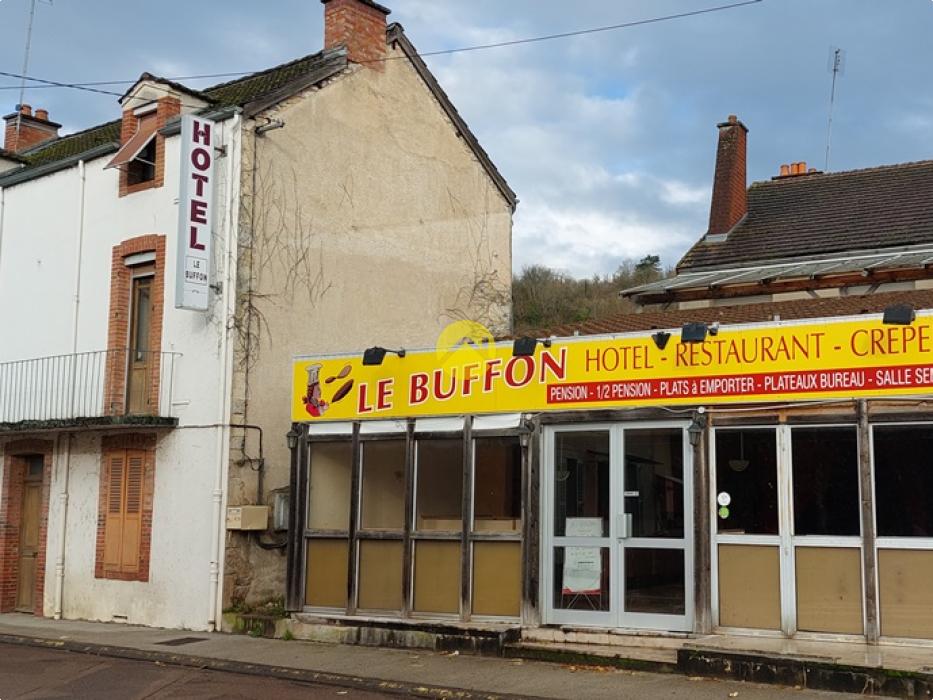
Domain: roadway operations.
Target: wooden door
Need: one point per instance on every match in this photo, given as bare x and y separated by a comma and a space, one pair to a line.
140, 356
28, 546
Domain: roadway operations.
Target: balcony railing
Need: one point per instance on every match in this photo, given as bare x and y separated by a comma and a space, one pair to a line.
118, 384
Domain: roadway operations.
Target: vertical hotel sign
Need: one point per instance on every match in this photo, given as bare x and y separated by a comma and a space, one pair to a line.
195, 213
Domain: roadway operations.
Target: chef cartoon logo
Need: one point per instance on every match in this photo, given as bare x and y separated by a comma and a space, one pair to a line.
313, 399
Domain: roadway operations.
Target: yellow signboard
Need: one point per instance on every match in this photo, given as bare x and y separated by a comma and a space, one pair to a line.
829, 358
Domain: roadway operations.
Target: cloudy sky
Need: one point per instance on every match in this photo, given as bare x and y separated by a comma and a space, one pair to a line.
608, 138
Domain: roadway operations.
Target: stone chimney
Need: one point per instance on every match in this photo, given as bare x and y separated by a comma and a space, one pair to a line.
360, 25
25, 129
730, 202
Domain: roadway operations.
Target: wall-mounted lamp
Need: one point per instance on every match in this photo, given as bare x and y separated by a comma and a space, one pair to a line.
695, 431
375, 355
292, 437
694, 332
523, 347
713, 328
660, 339
899, 314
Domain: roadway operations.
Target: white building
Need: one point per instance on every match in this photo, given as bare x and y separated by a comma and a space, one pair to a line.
123, 419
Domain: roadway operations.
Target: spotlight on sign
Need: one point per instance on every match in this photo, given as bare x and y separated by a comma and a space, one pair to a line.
525, 347
660, 339
375, 355
899, 315
693, 333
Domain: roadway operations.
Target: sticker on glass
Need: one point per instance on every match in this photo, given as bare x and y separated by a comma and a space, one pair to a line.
723, 498
723, 512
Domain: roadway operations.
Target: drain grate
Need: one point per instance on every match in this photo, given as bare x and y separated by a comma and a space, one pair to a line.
181, 641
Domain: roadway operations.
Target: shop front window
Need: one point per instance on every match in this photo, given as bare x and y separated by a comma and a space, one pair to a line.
328, 519
382, 515
581, 484
904, 480
825, 477
903, 476
497, 515
497, 485
406, 553
746, 481
382, 503
439, 496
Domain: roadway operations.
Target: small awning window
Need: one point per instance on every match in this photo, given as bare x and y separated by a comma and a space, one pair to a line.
145, 132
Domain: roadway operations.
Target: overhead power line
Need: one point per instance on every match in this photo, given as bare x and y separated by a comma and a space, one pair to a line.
92, 86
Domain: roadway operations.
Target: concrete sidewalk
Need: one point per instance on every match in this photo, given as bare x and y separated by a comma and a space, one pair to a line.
404, 672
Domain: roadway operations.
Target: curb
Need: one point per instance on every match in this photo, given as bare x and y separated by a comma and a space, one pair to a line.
803, 672
582, 658
402, 688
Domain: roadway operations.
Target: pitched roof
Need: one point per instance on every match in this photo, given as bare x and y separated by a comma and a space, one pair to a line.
259, 90
9, 155
239, 92
810, 215
396, 34
746, 313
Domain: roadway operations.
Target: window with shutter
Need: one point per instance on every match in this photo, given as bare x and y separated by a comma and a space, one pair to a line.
125, 504
113, 532
132, 511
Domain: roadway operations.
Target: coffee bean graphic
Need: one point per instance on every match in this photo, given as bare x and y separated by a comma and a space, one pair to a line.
342, 391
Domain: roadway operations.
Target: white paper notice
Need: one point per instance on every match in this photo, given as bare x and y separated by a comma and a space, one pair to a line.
583, 565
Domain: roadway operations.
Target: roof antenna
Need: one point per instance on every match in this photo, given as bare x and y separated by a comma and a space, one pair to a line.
836, 65
25, 71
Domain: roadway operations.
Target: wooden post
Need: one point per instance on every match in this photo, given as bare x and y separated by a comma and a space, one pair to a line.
297, 511
702, 545
466, 561
531, 537
869, 561
407, 546
355, 468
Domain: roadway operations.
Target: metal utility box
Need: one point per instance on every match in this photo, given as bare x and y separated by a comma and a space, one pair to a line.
247, 517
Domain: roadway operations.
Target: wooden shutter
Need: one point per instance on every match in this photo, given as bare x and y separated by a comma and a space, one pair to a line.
132, 510
113, 523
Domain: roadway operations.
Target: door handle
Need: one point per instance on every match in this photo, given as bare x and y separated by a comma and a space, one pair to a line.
624, 525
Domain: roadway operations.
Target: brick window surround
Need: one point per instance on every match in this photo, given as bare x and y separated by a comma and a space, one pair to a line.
166, 109
110, 444
11, 504
118, 334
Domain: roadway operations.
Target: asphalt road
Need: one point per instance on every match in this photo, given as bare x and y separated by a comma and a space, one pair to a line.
30, 672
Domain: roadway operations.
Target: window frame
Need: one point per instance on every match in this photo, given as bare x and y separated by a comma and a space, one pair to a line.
786, 541
903, 543
144, 445
362, 433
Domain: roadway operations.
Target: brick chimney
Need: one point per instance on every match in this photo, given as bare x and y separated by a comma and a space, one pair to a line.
360, 25
33, 129
730, 201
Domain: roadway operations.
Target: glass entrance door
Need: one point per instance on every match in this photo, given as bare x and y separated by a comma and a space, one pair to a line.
617, 526
653, 535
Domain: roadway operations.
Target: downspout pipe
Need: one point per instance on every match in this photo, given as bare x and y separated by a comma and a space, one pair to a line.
63, 529
64, 476
218, 495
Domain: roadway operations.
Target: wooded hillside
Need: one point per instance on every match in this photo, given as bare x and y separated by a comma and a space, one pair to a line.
542, 297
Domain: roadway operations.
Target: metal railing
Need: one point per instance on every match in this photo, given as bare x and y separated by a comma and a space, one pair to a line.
115, 382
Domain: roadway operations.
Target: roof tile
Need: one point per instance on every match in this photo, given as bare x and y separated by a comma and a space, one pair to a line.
889, 205
746, 313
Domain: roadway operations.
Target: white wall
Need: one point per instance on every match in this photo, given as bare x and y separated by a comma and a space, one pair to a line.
40, 236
